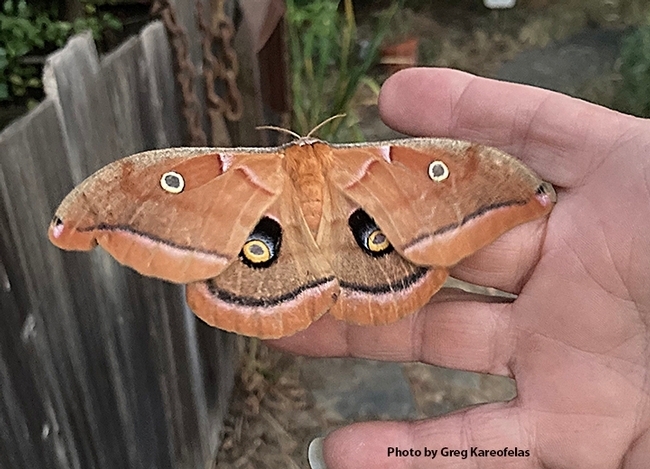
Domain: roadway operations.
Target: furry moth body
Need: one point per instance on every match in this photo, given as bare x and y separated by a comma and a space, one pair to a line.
270, 239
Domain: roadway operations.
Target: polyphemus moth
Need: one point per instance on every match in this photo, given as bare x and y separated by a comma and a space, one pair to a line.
270, 239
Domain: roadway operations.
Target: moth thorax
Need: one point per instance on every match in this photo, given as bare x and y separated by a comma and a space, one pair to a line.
307, 166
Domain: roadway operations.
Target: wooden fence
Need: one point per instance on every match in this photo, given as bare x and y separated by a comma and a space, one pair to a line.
99, 367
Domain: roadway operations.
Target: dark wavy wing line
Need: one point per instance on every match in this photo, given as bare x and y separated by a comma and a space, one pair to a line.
230, 297
166, 242
399, 285
452, 226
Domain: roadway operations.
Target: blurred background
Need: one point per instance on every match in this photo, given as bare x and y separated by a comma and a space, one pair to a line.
464, 34
102, 368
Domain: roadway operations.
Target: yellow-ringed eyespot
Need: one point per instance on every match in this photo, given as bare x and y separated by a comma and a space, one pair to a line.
367, 234
172, 182
262, 246
256, 251
438, 171
377, 241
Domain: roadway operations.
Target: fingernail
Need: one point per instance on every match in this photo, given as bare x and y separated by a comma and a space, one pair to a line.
315, 454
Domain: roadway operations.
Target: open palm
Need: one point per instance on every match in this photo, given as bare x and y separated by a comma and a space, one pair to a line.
577, 339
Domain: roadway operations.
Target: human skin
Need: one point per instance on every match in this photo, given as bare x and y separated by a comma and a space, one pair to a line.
577, 338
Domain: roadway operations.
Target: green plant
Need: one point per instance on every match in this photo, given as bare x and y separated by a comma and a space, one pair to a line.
634, 91
25, 30
326, 69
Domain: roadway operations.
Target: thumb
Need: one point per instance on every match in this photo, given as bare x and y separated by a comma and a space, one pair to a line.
489, 436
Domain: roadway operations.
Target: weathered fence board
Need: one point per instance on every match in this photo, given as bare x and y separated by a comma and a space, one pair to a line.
72, 78
99, 367
126, 85
161, 122
48, 344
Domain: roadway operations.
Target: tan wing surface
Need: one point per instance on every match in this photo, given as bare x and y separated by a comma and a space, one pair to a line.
378, 285
275, 297
436, 220
146, 223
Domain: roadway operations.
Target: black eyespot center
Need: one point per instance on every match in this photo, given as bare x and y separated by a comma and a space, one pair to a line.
173, 181
379, 237
263, 242
256, 249
368, 235
437, 170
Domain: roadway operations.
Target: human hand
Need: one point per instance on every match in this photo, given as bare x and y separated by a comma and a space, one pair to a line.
577, 338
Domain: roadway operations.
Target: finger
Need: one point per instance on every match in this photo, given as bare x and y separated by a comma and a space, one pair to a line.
637, 456
458, 105
463, 335
489, 427
560, 137
507, 262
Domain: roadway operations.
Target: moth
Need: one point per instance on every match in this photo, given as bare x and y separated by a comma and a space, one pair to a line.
270, 239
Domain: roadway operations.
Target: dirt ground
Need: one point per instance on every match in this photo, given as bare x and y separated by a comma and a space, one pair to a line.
282, 402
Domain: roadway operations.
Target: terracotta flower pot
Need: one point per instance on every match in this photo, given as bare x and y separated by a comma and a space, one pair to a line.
396, 57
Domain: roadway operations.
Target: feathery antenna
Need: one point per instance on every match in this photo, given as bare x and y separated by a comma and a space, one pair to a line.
278, 129
294, 134
326, 121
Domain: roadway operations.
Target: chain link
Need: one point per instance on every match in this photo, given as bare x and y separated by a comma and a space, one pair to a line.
226, 69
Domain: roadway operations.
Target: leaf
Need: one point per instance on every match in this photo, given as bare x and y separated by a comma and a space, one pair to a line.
16, 80
3, 59
325, 71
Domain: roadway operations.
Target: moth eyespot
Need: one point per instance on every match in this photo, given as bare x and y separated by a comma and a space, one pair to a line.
256, 251
438, 171
262, 247
377, 241
172, 182
367, 234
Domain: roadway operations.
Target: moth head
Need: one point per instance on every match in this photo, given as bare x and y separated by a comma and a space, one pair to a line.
438, 171
368, 235
172, 182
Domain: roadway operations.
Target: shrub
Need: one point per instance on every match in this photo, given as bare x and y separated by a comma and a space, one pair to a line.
634, 92
26, 30
327, 66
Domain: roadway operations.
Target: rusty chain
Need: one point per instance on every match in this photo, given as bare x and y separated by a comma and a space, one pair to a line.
231, 107
225, 67
184, 71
